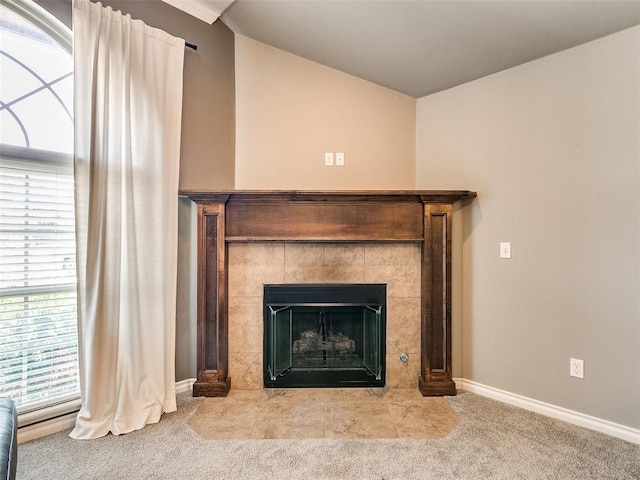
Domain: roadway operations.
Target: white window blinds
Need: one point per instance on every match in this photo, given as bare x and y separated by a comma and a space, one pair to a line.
38, 330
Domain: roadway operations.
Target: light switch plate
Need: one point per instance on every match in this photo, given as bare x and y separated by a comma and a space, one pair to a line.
505, 249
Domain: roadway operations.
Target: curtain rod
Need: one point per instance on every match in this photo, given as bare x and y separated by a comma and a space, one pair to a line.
190, 45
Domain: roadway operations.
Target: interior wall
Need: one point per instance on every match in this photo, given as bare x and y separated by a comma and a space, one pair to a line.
290, 111
553, 149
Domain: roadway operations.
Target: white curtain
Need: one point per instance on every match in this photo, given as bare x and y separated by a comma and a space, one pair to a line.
128, 107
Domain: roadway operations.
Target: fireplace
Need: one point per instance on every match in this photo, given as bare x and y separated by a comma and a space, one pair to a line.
324, 335
236, 217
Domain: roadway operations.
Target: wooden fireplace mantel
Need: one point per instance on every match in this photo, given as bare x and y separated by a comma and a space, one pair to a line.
333, 216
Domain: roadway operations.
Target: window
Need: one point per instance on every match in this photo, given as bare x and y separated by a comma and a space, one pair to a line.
38, 326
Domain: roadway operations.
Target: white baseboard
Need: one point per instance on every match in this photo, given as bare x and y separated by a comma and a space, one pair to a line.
48, 427
570, 416
185, 385
65, 422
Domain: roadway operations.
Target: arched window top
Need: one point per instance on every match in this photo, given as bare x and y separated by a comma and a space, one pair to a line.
36, 92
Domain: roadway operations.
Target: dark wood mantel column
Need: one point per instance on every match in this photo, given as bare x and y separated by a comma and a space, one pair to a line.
212, 321
435, 362
332, 216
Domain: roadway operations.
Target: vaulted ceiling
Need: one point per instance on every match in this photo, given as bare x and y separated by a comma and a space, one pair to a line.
419, 47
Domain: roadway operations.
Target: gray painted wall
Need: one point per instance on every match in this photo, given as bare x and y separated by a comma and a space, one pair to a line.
553, 149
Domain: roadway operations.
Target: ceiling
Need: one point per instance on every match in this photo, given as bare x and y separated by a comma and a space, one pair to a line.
419, 47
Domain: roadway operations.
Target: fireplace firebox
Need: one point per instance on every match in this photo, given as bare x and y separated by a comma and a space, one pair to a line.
324, 335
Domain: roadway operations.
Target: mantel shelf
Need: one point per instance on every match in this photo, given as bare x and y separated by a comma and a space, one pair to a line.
339, 196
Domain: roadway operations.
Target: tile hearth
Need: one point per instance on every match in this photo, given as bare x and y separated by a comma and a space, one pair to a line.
323, 413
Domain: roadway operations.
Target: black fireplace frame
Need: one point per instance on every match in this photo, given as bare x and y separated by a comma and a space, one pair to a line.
325, 296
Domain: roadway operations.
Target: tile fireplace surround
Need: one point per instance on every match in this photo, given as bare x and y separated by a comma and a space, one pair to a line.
250, 238
253, 264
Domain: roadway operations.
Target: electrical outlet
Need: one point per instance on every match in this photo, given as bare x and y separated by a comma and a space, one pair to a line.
576, 367
328, 159
340, 159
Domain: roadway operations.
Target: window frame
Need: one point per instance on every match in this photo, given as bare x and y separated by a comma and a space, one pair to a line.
58, 161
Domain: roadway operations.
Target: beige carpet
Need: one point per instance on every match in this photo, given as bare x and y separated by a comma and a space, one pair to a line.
492, 441
324, 413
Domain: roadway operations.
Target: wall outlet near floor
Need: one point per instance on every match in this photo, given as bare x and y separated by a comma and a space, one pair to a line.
576, 368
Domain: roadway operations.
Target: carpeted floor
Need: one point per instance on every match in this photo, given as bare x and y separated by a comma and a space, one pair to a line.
491, 441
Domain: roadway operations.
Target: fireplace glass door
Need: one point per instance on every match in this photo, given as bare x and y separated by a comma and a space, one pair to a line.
324, 335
